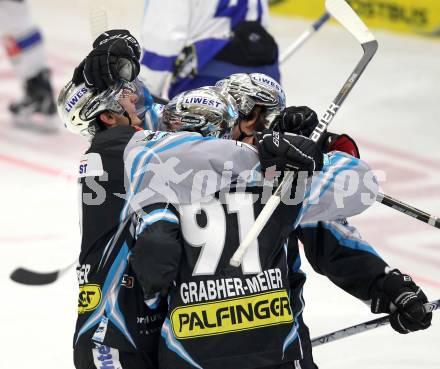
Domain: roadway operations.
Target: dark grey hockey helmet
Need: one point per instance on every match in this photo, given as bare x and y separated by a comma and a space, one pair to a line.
207, 110
255, 89
79, 106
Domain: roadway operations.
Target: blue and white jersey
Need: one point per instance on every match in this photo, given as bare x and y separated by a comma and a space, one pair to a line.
184, 168
346, 186
22, 39
173, 177
169, 25
153, 118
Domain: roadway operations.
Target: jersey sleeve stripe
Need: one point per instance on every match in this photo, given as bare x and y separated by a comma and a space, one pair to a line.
109, 301
156, 216
345, 237
175, 345
158, 62
153, 303
293, 334
326, 180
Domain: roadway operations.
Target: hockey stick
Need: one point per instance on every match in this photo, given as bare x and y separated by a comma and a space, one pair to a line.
99, 24
286, 54
408, 210
363, 327
340, 10
31, 278
97, 18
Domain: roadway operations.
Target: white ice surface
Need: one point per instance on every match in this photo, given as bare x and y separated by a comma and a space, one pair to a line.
392, 112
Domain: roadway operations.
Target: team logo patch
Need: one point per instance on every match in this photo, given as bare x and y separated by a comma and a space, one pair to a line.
227, 316
89, 298
90, 165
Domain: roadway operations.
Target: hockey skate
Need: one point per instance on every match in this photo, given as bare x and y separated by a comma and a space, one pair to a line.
36, 110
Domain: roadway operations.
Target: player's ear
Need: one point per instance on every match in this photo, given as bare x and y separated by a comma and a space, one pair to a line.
108, 118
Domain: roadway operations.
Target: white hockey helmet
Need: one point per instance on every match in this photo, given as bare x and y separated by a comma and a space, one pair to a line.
207, 110
255, 89
79, 107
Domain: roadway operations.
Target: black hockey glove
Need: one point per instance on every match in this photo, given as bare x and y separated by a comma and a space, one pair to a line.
115, 57
287, 151
300, 120
396, 293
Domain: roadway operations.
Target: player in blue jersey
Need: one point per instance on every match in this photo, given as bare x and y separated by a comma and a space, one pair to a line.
23, 43
201, 42
192, 43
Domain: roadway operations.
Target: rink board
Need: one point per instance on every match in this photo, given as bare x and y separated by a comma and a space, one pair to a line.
420, 17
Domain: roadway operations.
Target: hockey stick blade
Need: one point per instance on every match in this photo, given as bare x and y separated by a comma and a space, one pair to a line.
31, 278
346, 16
350, 20
366, 326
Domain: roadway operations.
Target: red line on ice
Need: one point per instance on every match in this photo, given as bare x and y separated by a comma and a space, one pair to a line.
36, 167
30, 238
425, 281
421, 160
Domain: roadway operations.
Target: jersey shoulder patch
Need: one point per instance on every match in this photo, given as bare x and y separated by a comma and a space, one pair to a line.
90, 165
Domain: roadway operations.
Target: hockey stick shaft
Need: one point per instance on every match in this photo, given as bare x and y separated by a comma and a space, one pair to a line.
286, 54
98, 22
363, 327
98, 19
408, 210
340, 10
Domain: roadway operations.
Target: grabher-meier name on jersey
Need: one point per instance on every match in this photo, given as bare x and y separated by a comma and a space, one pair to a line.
221, 288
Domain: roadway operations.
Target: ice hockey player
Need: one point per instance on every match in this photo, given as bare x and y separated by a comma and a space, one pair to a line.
114, 326
24, 46
202, 42
336, 250
220, 316
301, 326
333, 248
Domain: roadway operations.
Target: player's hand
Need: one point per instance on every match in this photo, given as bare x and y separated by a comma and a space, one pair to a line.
300, 120
287, 151
115, 57
396, 293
